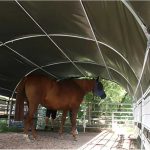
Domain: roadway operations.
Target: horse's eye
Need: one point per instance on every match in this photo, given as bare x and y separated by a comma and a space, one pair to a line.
101, 85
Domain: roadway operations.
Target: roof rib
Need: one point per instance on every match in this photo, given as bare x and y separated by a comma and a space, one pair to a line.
148, 38
50, 38
95, 39
74, 36
31, 62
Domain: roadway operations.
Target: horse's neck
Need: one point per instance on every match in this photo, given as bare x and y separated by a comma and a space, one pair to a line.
86, 85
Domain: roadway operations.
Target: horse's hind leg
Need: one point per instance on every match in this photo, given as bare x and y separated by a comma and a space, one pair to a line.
63, 119
29, 120
73, 118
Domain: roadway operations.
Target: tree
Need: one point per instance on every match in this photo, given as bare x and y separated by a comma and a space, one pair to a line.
115, 94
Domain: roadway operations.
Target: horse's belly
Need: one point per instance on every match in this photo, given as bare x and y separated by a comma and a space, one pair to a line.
56, 103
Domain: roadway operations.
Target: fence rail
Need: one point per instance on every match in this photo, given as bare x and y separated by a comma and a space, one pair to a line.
104, 118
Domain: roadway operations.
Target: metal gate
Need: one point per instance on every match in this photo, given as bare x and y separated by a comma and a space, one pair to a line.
95, 117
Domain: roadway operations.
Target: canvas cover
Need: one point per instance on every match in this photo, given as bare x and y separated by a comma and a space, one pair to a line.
75, 39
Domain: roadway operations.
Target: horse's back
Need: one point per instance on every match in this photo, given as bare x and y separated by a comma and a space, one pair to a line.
56, 95
49, 92
38, 86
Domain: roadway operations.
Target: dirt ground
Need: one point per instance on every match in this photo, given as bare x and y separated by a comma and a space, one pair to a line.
45, 140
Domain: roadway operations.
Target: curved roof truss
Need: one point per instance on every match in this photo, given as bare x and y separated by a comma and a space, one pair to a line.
68, 38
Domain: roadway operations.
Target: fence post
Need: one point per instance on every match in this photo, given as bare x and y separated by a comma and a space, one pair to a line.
84, 121
112, 121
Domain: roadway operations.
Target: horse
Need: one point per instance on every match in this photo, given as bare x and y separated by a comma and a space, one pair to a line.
65, 95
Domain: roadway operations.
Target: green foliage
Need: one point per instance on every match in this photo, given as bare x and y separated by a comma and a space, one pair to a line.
115, 94
4, 127
127, 99
89, 97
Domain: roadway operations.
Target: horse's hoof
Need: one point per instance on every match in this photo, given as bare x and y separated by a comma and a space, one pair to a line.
75, 138
27, 137
34, 137
61, 136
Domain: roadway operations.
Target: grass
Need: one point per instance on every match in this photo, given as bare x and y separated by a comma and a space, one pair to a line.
4, 127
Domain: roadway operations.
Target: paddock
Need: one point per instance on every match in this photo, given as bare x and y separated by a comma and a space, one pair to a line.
103, 132
51, 140
65, 39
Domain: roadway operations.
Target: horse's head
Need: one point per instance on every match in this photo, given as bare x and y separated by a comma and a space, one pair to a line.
99, 89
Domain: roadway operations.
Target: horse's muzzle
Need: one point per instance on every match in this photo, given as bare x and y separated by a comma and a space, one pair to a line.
103, 96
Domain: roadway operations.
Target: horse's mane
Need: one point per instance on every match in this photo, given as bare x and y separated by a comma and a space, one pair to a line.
74, 78
67, 78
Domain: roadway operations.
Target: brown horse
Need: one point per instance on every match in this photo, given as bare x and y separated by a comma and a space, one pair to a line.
65, 95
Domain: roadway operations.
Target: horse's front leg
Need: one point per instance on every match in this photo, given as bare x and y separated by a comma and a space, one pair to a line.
73, 118
63, 119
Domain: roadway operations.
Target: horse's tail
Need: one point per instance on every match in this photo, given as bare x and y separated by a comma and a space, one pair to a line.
20, 97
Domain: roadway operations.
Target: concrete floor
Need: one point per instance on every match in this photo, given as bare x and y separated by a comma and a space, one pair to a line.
108, 140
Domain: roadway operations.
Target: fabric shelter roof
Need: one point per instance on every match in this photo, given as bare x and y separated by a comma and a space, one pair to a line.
73, 39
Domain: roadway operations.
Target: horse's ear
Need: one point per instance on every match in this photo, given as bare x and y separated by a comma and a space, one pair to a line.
97, 78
